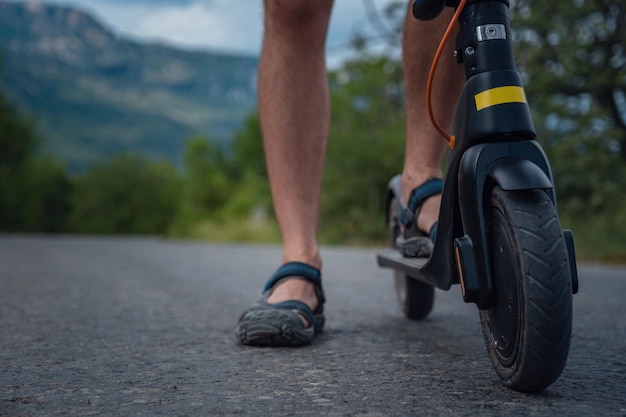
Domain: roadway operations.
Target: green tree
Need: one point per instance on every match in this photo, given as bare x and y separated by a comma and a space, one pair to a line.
248, 147
206, 179
17, 136
572, 55
252, 191
226, 194
34, 191
365, 150
128, 194
44, 190
17, 142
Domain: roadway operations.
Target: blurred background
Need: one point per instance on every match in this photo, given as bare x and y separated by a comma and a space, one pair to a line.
139, 117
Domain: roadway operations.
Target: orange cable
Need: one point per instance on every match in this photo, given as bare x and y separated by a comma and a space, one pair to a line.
431, 75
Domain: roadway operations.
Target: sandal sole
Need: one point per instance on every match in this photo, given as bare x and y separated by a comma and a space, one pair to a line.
273, 327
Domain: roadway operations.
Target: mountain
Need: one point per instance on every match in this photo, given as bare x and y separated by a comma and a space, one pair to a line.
94, 94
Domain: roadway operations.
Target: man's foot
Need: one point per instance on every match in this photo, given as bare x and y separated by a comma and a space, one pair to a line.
423, 195
281, 321
294, 288
419, 219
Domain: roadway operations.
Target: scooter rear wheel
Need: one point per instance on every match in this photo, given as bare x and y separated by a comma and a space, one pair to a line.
528, 330
415, 298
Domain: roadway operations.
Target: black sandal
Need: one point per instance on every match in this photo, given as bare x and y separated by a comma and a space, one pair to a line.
414, 243
281, 324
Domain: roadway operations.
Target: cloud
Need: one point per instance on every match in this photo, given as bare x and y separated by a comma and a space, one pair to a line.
198, 24
221, 24
233, 26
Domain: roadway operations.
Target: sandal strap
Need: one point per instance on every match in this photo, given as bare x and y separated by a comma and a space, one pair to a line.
296, 306
420, 194
299, 270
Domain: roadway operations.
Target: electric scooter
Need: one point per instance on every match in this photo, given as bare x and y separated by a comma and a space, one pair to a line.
498, 233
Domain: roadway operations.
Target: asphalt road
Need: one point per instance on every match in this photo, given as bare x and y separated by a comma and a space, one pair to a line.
129, 327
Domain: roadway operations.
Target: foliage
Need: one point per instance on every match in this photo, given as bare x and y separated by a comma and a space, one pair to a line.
17, 136
251, 193
248, 152
365, 149
206, 182
34, 191
43, 196
128, 194
572, 55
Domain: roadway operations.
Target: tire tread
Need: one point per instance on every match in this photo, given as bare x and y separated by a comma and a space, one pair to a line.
547, 292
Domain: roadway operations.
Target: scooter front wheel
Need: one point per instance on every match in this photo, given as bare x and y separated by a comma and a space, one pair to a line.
528, 330
415, 298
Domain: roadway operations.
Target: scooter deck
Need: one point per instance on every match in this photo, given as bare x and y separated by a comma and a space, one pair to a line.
411, 267
392, 258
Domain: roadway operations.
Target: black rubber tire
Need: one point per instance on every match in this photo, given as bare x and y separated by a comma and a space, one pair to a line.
528, 330
415, 298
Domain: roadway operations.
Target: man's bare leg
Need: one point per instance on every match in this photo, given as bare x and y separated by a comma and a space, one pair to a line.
294, 113
294, 110
425, 148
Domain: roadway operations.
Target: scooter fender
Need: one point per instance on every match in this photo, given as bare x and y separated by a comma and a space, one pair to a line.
512, 166
519, 174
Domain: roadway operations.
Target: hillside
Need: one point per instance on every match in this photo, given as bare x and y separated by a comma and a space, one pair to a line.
94, 94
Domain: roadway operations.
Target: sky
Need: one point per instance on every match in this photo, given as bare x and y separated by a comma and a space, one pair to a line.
224, 25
